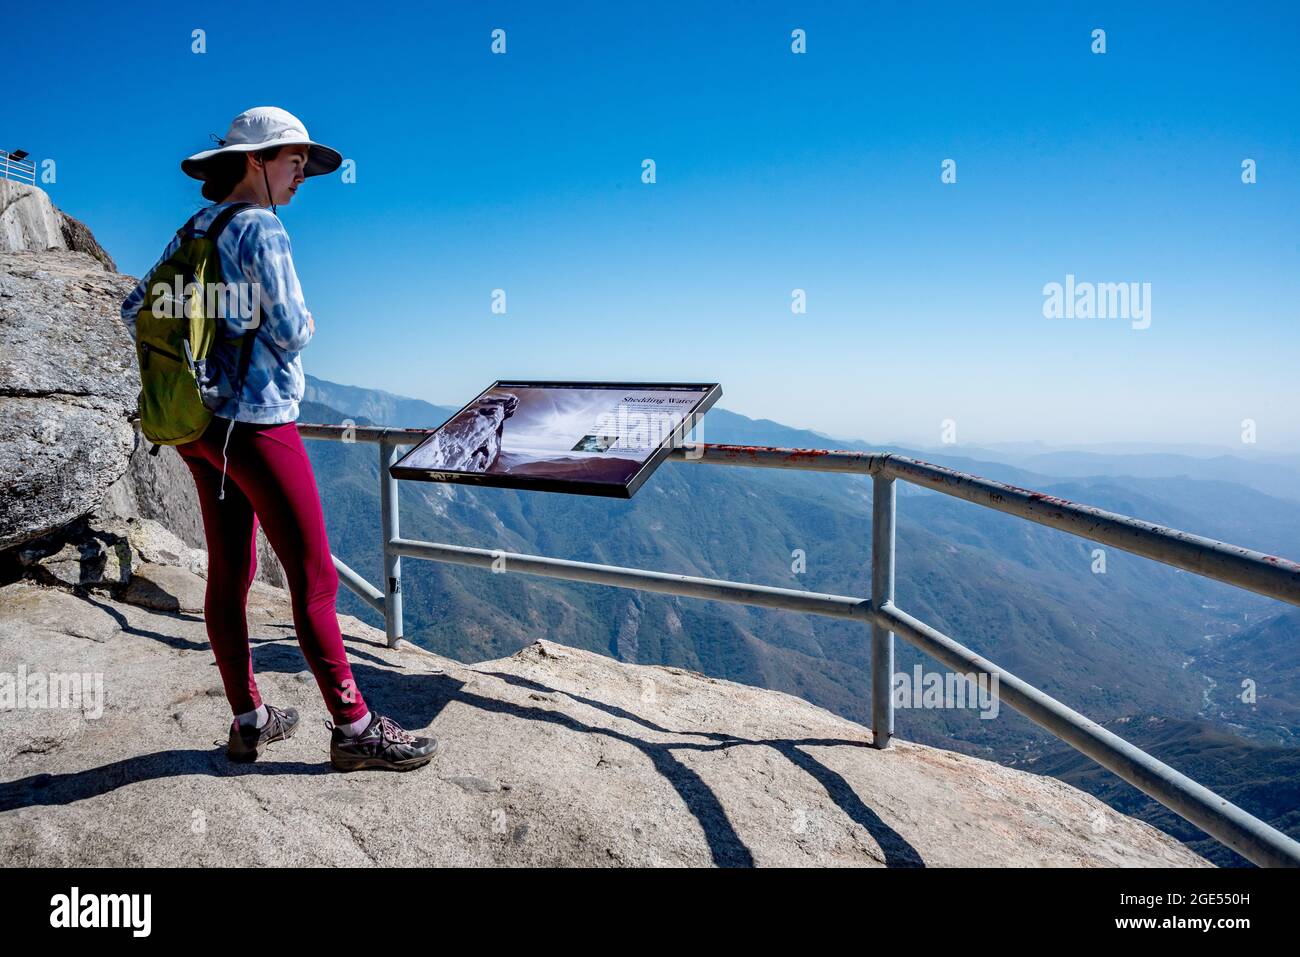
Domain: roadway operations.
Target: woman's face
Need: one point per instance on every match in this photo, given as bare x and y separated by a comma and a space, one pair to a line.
285, 174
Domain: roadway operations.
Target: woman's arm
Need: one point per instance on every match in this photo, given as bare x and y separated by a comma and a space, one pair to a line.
267, 259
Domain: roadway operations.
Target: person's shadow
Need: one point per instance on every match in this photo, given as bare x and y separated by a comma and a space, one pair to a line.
415, 699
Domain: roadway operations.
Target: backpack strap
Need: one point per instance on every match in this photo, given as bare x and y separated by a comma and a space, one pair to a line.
223, 219
245, 356
186, 231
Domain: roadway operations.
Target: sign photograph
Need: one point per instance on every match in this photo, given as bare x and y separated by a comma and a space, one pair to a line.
588, 438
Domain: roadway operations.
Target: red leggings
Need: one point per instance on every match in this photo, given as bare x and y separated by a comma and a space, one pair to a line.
268, 476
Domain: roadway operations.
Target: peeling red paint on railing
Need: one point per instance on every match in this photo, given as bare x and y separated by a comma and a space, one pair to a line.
770, 456
787, 454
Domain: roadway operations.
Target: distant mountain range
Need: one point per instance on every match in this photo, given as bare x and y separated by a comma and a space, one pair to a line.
1272, 474
1139, 639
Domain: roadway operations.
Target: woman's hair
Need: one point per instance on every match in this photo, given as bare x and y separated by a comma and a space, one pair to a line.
226, 170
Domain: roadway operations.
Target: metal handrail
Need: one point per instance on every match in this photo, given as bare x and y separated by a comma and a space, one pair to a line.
1264, 574
17, 170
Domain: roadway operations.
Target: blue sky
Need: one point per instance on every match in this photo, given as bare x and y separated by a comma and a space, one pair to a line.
775, 171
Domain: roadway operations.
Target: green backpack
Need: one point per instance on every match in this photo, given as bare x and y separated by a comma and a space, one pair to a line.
170, 346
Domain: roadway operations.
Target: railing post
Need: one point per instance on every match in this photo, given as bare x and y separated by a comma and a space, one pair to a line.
388, 455
882, 593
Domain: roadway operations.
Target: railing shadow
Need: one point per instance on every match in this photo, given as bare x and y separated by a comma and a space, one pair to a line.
416, 699
898, 852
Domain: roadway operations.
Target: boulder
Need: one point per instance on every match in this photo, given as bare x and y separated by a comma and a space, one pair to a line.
166, 588
29, 222
68, 385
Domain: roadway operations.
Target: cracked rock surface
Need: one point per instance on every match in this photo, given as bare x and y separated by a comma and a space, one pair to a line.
553, 756
67, 385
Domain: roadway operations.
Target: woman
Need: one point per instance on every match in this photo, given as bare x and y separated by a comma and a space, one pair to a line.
253, 438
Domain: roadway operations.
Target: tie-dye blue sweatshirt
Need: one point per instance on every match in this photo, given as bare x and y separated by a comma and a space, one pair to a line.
254, 248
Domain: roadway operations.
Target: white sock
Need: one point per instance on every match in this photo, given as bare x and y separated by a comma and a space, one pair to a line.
256, 719
354, 728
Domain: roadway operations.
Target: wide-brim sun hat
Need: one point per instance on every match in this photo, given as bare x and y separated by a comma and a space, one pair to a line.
260, 128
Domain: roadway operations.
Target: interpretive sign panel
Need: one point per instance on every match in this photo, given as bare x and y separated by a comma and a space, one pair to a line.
589, 438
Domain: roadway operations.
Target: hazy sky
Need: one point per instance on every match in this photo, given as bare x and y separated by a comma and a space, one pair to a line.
775, 171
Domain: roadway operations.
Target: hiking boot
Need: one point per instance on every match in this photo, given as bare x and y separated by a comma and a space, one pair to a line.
383, 744
248, 742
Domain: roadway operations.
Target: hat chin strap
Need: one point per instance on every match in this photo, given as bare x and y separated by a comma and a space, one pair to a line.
267, 181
